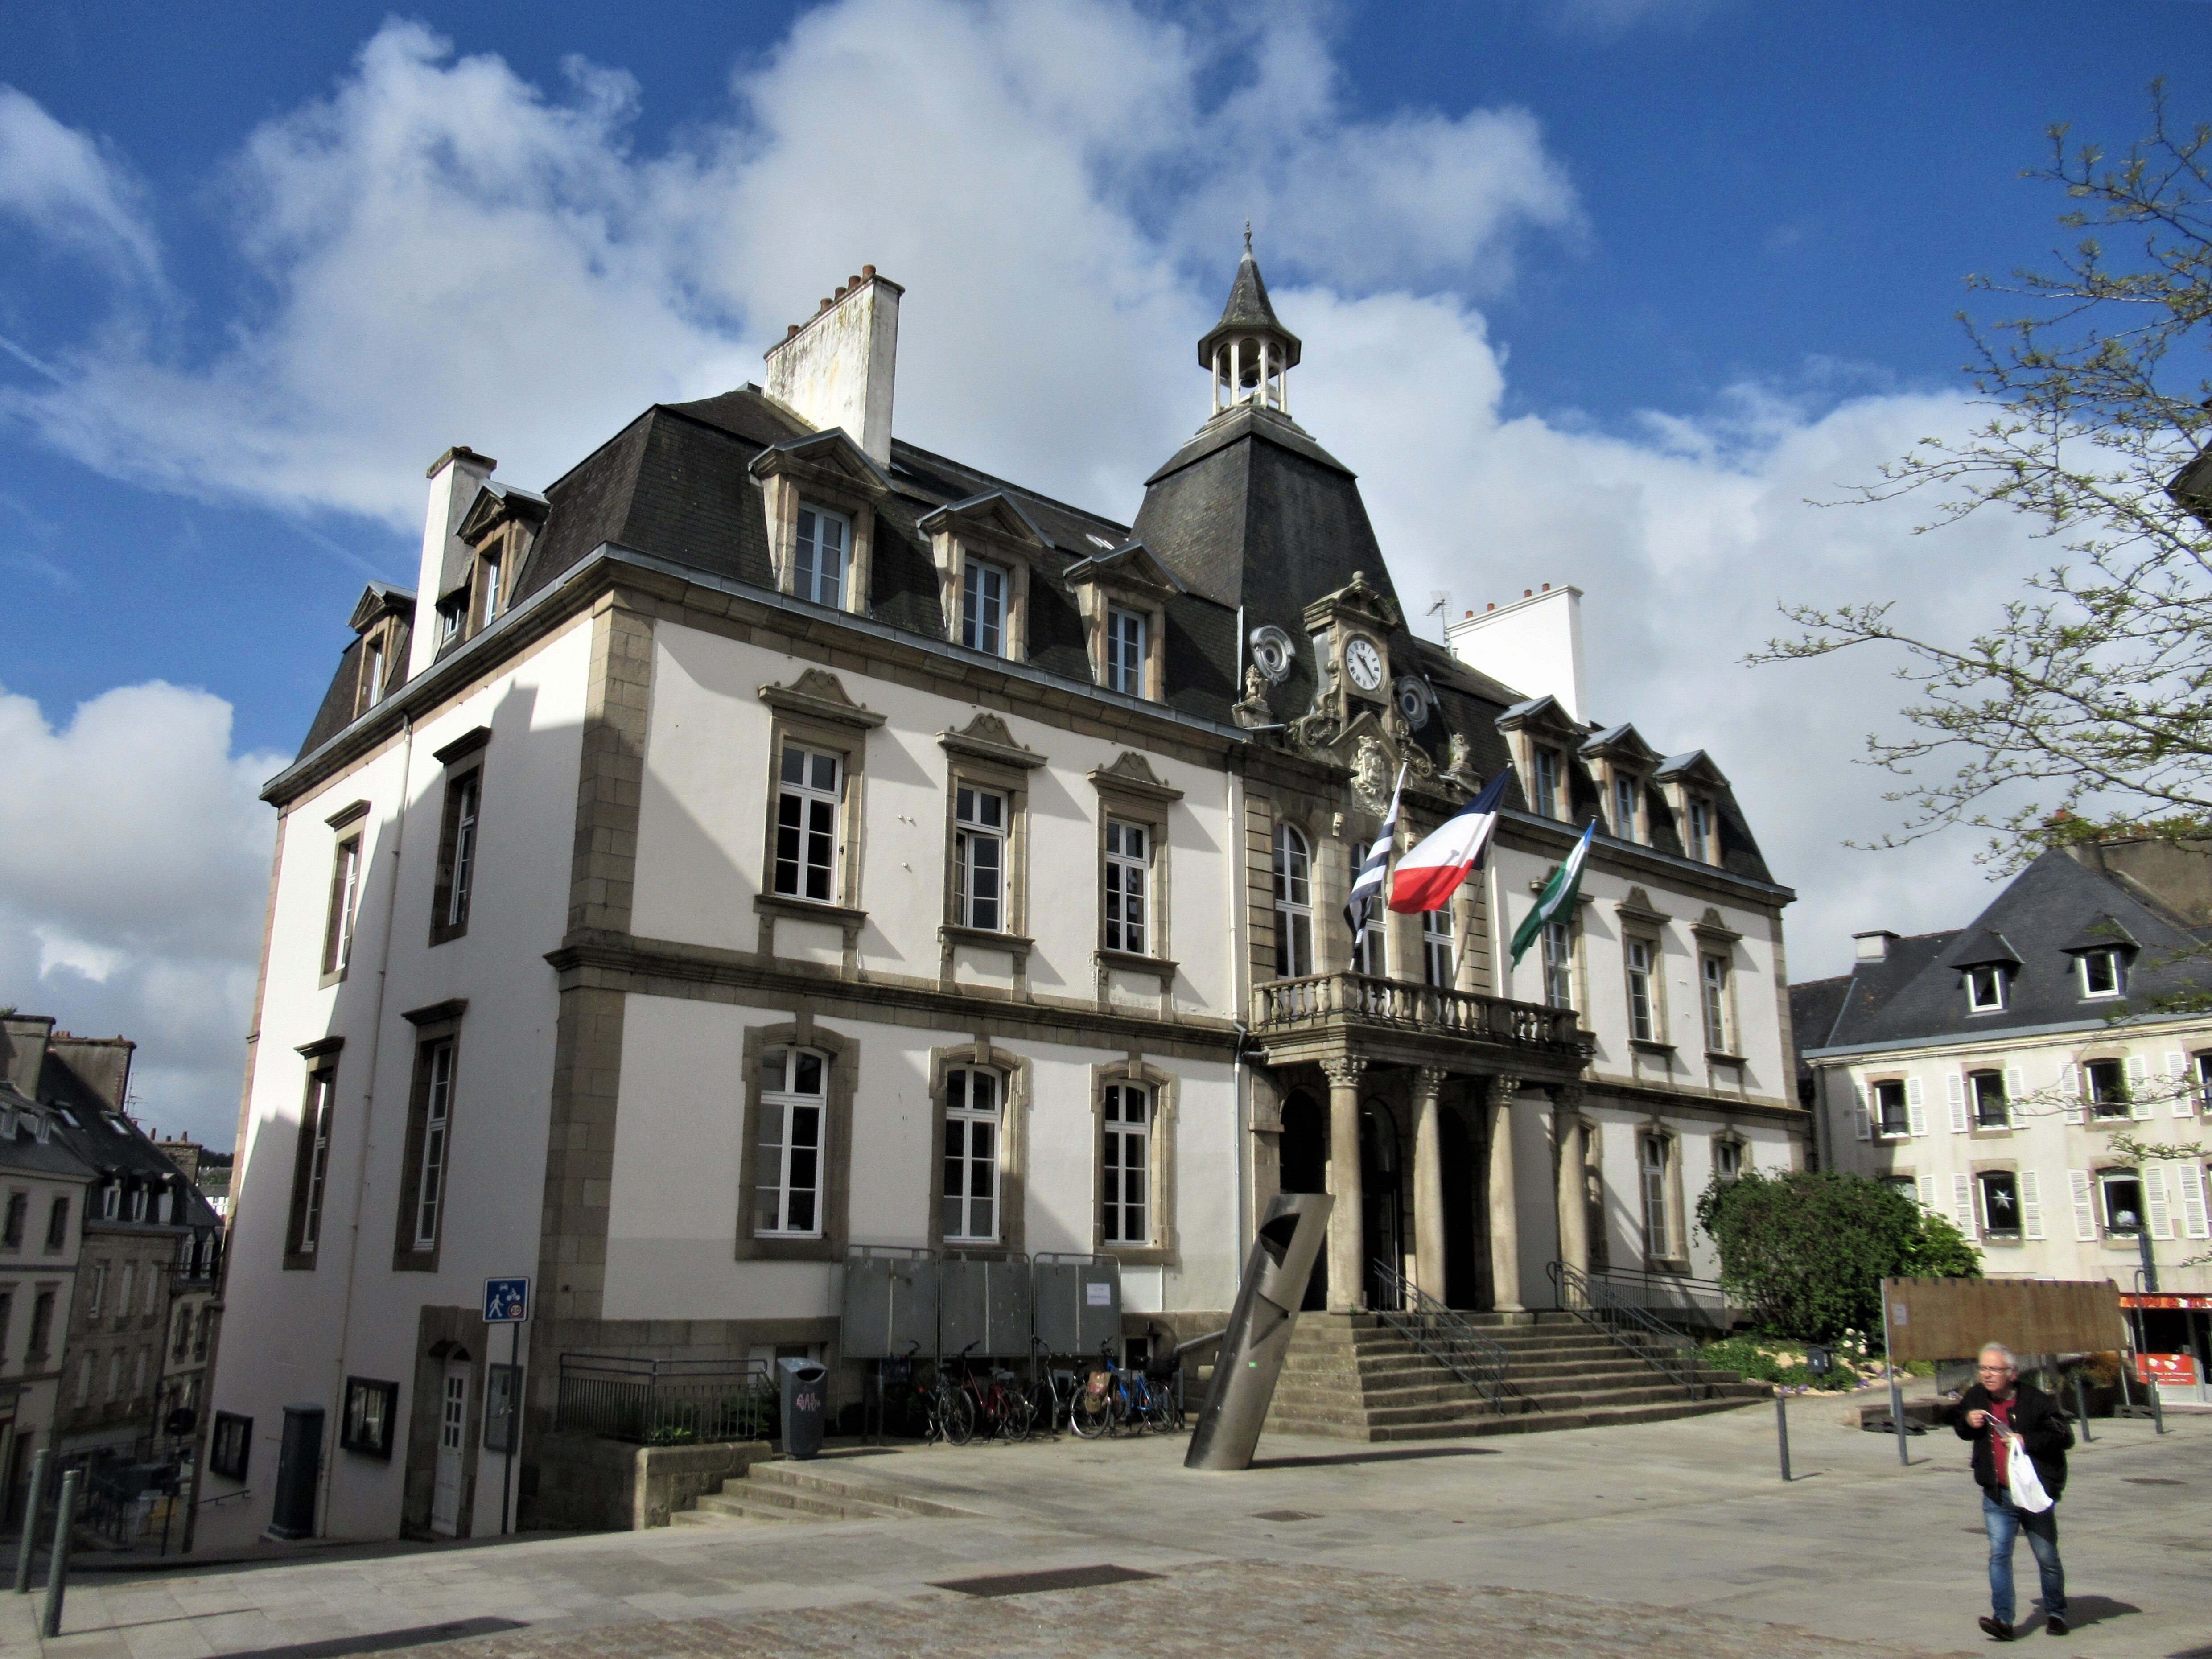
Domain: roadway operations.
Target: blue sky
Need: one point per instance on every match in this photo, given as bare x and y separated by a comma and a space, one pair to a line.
1600, 290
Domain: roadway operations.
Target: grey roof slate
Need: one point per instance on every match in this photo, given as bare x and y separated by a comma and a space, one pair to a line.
1248, 308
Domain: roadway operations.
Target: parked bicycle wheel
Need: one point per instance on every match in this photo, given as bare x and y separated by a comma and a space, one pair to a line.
1165, 1414
956, 1415
1095, 1406
1019, 1417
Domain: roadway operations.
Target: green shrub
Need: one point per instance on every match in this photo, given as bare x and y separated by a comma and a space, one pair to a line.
1807, 1250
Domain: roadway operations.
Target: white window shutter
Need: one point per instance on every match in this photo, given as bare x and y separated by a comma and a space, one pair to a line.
1866, 1111
1957, 1086
2140, 1105
2184, 1084
2161, 1218
1962, 1203
2015, 1083
2070, 1083
2085, 1214
1916, 1107
2193, 1218
1928, 1192
2030, 1203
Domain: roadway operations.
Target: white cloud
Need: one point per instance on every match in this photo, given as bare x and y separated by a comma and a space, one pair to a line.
59, 183
134, 862
450, 255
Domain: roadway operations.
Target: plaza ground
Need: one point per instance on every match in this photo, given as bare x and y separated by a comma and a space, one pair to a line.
1664, 1539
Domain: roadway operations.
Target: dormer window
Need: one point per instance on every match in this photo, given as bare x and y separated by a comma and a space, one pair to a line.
1125, 651
2103, 975
1986, 988
819, 555
1546, 801
1625, 791
451, 612
372, 673
1697, 840
488, 565
983, 608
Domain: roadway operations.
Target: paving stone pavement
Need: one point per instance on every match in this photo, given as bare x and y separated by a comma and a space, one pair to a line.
1661, 1538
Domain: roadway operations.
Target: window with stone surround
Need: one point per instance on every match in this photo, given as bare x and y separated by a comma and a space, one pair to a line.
1293, 903
460, 836
311, 1166
974, 1099
427, 1152
788, 1160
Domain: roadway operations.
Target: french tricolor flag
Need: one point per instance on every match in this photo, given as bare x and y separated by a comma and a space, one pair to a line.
1427, 877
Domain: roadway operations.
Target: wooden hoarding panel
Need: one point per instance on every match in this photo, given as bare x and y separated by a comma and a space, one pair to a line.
1952, 1318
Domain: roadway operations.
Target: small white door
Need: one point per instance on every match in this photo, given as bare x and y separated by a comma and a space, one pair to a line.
452, 1420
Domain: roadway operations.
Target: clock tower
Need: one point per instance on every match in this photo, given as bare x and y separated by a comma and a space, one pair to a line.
1350, 633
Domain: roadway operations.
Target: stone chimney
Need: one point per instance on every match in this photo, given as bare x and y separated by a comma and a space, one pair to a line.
23, 1040
1532, 644
836, 367
454, 477
1874, 945
100, 1064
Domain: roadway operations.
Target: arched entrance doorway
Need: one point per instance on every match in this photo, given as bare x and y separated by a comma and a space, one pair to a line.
1382, 1205
1304, 1159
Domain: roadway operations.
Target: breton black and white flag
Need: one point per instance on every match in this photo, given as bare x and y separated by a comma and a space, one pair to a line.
1367, 886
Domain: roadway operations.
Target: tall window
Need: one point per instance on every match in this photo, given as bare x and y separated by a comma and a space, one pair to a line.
1701, 828
2108, 1088
345, 889
1293, 903
1728, 1160
1129, 858
2000, 1203
372, 672
2121, 1190
1987, 1092
1560, 964
99, 1290
973, 1097
1547, 782
983, 607
1652, 1157
978, 859
42, 1323
2101, 973
1893, 1114
1713, 984
490, 562
315, 1166
457, 853
19, 1214
792, 1110
807, 823
825, 541
58, 1225
1985, 989
437, 1064
1624, 806
1642, 1023
1369, 954
1125, 651
1436, 952
1125, 1168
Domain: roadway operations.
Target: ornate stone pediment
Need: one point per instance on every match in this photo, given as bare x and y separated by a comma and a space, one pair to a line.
1131, 774
820, 695
986, 738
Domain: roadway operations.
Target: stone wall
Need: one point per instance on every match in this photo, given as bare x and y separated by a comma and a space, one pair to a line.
592, 1485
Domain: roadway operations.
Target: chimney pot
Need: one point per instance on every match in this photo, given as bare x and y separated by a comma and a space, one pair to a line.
791, 332
1874, 943
867, 270
1470, 613
1492, 605
1528, 593
1548, 587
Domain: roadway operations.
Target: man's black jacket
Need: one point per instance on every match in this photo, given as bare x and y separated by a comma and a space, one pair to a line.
2036, 1420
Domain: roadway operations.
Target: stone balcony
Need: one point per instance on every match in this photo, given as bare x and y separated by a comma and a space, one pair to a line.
1321, 1016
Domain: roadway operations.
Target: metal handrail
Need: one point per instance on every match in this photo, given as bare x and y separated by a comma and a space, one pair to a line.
1671, 1352
1476, 1360
663, 1401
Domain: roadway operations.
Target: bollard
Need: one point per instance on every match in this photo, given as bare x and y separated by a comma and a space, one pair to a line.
2157, 1404
58, 1557
1897, 1417
2082, 1408
30, 1545
1781, 1432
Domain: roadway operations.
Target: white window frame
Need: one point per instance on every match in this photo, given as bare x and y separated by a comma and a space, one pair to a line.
2104, 1180
1654, 1170
980, 850
1371, 949
983, 611
1625, 792
810, 814
965, 1125
2093, 1102
1126, 1165
2116, 970
322, 1098
1559, 964
1986, 988
1882, 1121
810, 580
434, 1158
1992, 1228
1976, 1117
1293, 903
1713, 1001
1640, 959
345, 898
1127, 638
1547, 766
780, 1179
1728, 1160
1438, 948
1699, 818
1126, 887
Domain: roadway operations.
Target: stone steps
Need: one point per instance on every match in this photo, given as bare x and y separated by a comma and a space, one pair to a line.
780, 1493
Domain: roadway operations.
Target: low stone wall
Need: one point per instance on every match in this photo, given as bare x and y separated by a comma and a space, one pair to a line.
610, 1486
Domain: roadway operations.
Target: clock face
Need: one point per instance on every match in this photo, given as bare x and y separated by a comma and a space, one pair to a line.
1363, 663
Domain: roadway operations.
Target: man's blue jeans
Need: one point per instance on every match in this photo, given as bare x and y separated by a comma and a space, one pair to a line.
2006, 1521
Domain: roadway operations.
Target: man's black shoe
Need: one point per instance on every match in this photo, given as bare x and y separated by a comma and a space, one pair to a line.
1994, 1626
2056, 1625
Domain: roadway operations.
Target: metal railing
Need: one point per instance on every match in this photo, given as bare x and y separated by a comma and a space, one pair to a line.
1703, 1301
1671, 1352
1316, 999
1476, 1359
664, 1402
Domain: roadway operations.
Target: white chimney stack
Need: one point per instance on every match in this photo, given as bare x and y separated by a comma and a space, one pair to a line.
1532, 644
455, 476
1874, 945
836, 369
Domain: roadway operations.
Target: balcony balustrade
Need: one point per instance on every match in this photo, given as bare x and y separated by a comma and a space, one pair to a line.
1313, 1000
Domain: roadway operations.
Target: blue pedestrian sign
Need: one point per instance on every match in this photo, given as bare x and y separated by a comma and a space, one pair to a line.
506, 1301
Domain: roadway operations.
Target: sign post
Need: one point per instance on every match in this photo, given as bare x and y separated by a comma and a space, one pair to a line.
507, 1302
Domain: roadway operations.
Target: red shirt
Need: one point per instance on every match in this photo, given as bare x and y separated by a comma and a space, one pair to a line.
2001, 1436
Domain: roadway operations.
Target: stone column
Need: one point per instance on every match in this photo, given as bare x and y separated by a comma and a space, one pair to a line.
1428, 1182
1504, 1223
1569, 1136
1347, 1222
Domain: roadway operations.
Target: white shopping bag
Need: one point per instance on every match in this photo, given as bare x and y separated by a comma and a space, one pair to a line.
2027, 1486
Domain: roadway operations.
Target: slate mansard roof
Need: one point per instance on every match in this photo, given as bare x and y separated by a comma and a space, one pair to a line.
2055, 908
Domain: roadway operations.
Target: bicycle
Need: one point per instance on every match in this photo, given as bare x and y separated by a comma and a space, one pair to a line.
1098, 1406
1005, 1412
949, 1415
1052, 1393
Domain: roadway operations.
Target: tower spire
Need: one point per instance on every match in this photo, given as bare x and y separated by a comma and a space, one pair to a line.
1248, 352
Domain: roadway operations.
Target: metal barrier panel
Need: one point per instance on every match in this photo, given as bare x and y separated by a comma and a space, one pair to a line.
890, 1304
983, 1304
1077, 1303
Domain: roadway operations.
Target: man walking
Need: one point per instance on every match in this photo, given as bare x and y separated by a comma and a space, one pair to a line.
2006, 1418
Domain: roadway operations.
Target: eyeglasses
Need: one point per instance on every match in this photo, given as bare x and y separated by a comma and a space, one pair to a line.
1994, 1370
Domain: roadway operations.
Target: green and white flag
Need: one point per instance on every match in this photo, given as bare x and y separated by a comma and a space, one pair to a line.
1558, 896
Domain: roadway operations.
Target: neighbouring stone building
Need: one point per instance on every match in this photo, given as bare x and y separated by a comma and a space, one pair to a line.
774, 838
